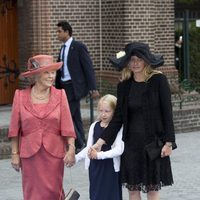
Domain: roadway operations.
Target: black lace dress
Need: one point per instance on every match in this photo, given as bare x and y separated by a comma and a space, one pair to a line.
137, 171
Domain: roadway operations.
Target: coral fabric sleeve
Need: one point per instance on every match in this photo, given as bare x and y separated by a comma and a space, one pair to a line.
67, 126
15, 116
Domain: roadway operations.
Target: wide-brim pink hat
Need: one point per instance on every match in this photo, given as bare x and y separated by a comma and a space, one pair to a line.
41, 63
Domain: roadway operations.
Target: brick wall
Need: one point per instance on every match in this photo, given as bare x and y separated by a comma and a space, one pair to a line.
147, 21
187, 120
164, 36
105, 26
37, 27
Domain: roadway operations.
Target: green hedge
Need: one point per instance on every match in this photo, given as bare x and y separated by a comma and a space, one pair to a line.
194, 41
194, 51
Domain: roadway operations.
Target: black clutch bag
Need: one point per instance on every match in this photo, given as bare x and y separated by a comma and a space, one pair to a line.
154, 148
72, 195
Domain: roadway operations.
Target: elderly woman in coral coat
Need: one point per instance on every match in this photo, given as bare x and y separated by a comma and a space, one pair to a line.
42, 133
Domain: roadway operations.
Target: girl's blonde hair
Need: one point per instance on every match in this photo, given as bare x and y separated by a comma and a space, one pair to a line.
148, 73
108, 98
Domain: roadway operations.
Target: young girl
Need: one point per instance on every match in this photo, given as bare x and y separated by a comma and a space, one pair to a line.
104, 168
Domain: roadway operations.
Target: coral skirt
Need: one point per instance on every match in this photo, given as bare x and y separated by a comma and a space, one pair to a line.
42, 176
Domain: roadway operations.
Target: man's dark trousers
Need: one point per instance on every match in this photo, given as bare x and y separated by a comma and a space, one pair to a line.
74, 105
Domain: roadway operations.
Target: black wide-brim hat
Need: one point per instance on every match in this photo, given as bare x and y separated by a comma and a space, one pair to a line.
140, 50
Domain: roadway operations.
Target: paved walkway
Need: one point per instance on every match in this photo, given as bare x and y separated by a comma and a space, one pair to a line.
185, 164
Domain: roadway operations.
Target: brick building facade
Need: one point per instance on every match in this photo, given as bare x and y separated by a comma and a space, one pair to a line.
105, 26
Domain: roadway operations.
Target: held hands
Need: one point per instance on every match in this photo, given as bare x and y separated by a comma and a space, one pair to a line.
92, 152
69, 158
166, 150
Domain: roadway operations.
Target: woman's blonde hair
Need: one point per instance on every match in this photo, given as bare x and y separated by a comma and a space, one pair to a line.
148, 72
108, 98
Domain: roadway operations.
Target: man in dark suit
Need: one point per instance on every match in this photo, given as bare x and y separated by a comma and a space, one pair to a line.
76, 76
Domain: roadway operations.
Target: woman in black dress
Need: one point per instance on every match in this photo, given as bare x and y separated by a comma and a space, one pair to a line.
144, 108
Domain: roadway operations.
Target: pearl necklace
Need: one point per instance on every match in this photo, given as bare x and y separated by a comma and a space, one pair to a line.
43, 97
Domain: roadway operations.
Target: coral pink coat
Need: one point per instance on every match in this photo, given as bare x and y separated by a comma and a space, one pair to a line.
46, 128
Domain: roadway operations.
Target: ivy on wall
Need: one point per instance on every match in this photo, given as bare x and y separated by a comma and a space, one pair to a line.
194, 38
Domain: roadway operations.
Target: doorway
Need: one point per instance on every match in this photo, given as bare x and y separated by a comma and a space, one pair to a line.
9, 69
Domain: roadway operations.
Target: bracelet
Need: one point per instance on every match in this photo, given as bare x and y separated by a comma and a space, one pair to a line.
15, 153
72, 145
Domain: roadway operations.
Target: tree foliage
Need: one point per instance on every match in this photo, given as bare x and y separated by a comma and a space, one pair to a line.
194, 55
194, 38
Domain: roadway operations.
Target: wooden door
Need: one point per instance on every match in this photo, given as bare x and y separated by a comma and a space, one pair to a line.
9, 69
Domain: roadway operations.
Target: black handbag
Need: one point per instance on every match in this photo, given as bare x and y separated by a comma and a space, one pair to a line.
154, 148
72, 195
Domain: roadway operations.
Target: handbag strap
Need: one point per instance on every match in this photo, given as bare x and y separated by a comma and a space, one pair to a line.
61, 190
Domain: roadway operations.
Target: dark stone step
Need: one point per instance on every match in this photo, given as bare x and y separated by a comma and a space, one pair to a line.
5, 150
3, 134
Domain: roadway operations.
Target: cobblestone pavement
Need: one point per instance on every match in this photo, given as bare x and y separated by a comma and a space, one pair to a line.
185, 164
